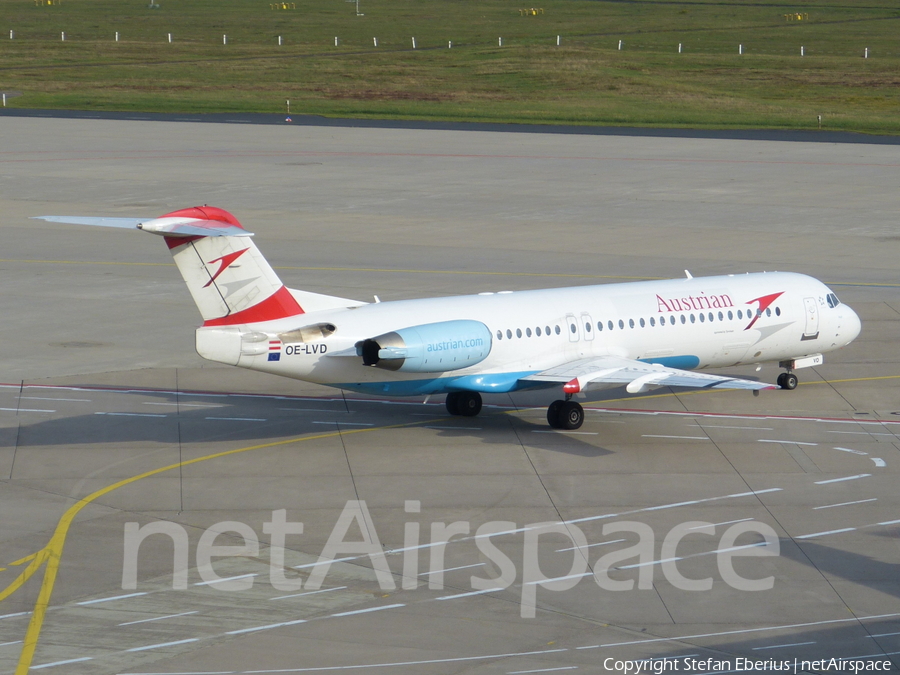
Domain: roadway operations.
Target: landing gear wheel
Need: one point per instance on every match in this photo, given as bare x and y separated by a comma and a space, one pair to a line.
780, 380
553, 414
788, 381
452, 403
571, 415
468, 404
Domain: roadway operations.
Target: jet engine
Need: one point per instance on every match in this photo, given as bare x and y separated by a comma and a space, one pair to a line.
428, 348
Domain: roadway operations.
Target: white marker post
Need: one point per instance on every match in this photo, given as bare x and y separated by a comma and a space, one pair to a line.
4, 99
802, 50
679, 47
170, 37
620, 45
279, 40
557, 40
117, 36
63, 36
450, 44
865, 56
224, 39
375, 40
11, 35
499, 41
335, 42
414, 43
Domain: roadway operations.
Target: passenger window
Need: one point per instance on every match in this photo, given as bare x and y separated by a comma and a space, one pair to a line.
621, 323
518, 332
547, 328
631, 323
499, 334
509, 333
721, 316
587, 328
573, 327
528, 332
682, 318
740, 315
558, 331
702, 318
643, 325
652, 321
599, 325
538, 331
768, 311
730, 315
609, 324
778, 311
693, 319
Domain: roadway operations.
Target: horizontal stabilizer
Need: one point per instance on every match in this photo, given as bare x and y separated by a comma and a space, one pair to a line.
130, 223
165, 226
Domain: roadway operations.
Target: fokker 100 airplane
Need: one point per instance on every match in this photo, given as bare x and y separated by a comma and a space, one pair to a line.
640, 334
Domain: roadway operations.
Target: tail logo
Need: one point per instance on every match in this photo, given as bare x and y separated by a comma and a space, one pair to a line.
764, 302
224, 262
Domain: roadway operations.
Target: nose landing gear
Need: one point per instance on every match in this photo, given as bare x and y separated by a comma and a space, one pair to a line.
787, 381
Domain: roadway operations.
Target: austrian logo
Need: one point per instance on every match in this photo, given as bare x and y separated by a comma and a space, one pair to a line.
224, 262
714, 301
764, 302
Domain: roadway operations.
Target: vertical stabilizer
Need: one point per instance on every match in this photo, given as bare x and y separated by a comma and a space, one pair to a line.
230, 280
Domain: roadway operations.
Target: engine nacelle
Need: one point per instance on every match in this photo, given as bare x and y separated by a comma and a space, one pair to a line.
429, 348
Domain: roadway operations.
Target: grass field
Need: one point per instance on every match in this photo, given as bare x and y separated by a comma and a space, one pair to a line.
587, 79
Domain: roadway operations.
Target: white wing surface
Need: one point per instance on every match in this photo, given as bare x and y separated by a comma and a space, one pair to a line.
637, 376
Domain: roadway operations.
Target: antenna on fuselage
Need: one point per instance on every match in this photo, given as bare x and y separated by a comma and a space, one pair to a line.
688, 274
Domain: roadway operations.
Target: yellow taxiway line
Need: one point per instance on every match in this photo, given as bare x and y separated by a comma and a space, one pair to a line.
51, 554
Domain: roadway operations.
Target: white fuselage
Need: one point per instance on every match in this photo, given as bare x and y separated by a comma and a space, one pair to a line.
683, 323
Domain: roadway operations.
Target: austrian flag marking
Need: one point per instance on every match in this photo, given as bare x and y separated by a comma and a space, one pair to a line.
274, 350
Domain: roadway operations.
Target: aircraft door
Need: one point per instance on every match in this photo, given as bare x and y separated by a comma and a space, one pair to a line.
587, 325
812, 319
572, 322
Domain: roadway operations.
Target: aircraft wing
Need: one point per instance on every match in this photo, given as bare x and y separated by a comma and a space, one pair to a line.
637, 376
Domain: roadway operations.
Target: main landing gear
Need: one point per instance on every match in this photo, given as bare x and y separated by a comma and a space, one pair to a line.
787, 381
566, 414
464, 403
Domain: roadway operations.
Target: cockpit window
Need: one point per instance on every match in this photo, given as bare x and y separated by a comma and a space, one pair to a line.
833, 300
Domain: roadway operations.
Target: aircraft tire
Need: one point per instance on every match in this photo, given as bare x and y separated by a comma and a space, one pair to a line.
790, 381
571, 415
468, 403
452, 403
553, 414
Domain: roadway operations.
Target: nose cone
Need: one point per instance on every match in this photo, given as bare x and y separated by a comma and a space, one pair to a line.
850, 325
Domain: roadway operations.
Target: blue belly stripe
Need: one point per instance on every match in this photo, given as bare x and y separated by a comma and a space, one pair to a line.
685, 362
487, 383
